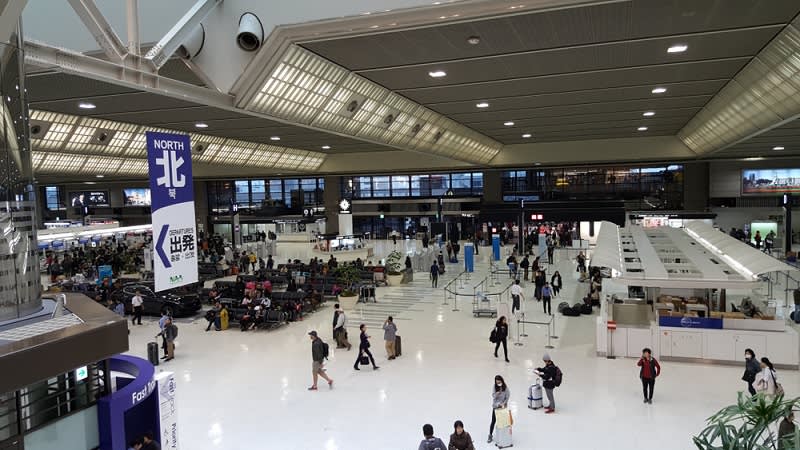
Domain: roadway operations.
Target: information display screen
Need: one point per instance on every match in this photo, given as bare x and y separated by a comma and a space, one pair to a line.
88, 198
136, 196
770, 181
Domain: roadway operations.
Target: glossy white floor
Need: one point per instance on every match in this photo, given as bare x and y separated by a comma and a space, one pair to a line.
248, 390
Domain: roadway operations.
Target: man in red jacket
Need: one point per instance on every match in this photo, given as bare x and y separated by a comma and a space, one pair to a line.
650, 369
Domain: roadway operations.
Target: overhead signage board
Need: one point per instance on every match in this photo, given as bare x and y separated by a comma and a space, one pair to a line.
169, 160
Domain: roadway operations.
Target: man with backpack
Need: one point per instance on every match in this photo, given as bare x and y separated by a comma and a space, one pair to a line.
170, 333
319, 351
430, 442
551, 377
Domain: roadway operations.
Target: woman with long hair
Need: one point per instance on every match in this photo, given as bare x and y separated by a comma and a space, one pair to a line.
768, 380
501, 328
500, 396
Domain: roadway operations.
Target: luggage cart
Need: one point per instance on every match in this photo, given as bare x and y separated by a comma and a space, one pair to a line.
482, 306
366, 292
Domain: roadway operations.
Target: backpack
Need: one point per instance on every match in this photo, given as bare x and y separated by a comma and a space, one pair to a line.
559, 377
493, 336
325, 350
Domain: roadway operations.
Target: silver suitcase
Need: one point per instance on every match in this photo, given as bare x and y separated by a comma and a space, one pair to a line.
502, 437
535, 396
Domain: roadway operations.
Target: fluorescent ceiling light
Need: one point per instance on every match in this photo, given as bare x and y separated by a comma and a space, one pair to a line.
201, 125
754, 158
526, 135
274, 138
659, 90
86, 105
679, 48
100, 176
326, 147
642, 129
482, 105
437, 74
649, 114
510, 123
778, 148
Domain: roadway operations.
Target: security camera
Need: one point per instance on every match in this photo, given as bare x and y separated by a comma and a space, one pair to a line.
194, 44
251, 32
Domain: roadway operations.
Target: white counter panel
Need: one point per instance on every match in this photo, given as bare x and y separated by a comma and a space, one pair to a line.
638, 339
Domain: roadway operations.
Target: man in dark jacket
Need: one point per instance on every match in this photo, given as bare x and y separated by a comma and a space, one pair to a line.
525, 265
786, 432
551, 379
434, 275
430, 442
318, 361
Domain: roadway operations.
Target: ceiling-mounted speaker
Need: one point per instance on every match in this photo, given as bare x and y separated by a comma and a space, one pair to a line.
438, 136
39, 129
417, 128
352, 105
102, 136
389, 118
199, 147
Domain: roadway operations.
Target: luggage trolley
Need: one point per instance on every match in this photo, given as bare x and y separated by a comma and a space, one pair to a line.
366, 292
482, 306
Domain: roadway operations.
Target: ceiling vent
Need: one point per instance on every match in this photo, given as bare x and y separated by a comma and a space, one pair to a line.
199, 147
416, 128
438, 136
352, 105
39, 129
389, 118
102, 136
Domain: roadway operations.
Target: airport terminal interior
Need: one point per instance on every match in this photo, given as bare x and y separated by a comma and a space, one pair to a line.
399, 224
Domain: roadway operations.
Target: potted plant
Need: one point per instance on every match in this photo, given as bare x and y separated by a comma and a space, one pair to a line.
750, 424
394, 265
347, 276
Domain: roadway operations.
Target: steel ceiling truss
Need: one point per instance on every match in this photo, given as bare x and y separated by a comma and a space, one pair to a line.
308, 89
166, 47
763, 95
71, 141
101, 30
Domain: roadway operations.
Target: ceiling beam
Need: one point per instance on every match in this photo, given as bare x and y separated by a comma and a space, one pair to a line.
132, 14
10, 10
180, 32
101, 30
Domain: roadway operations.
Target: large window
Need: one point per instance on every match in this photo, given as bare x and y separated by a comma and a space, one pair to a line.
400, 186
380, 187
424, 185
258, 192
292, 193
242, 193
52, 196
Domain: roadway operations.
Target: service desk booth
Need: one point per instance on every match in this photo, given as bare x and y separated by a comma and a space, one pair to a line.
346, 248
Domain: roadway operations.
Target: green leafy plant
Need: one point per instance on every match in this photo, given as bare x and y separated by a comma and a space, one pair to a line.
750, 424
348, 276
394, 263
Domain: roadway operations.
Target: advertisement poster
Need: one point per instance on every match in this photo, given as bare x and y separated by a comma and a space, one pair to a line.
168, 410
136, 196
770, 181
171, 192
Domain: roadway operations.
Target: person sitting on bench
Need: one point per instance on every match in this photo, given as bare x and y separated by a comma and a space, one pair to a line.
246, 322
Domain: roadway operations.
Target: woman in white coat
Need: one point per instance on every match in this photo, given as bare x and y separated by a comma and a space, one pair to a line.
767, 378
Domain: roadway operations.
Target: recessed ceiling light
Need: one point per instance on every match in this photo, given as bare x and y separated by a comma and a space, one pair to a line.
201, 125
659, 90
274, 138
778, 148
100, 176
473, 40
526, 135
754, 158
326, 147
642, 129
86, 105
679, 48
538, 164
509, 123
482, 105
649, 114
437, 74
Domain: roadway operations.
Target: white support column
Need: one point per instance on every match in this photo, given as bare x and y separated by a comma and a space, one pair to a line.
132, 10
180, 32
102, 31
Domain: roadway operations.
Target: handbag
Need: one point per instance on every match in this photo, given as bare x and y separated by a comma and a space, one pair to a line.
363, 360
778, 387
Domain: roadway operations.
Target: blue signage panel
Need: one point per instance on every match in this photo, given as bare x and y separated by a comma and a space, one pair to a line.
169, 158
690, 322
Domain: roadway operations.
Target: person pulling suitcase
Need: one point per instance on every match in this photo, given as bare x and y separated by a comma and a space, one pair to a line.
390, 337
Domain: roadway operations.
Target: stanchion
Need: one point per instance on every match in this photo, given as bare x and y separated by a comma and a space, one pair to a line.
518, 341
455, 303
549, 345
523, 325
553, 321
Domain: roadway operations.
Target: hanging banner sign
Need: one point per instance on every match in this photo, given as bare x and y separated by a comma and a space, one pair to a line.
172, 194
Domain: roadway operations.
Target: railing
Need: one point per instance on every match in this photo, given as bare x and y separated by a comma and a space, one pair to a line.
450, 292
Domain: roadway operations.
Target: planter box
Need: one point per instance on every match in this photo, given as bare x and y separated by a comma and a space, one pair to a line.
394, 280
347, 303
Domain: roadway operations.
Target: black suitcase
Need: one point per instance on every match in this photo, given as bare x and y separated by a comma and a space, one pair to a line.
571, 312
397, 346
152, 353
586, 309
562, 306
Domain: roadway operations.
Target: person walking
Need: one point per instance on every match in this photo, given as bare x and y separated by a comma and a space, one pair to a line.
363, 349
547, 294
767, 381
336, 312
650, 369
516, 294
501, 336
137, 303
551, 378
434, 275
430, 442
757, 238
525, 264
556, 284
162, 322
500, 396
751, 369
318, 355
389, 336
550, 251
170, 332
340, 330
460, 439
539, 280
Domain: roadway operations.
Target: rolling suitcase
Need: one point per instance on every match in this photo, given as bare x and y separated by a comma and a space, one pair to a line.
535, 396
152, 353
397, 346
502, 431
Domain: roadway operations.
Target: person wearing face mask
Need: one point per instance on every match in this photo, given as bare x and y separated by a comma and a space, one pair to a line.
751, 369
460, 439
500, 396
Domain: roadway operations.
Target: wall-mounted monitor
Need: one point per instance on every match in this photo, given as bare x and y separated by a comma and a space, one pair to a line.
136, 196
88, 198
770, 181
